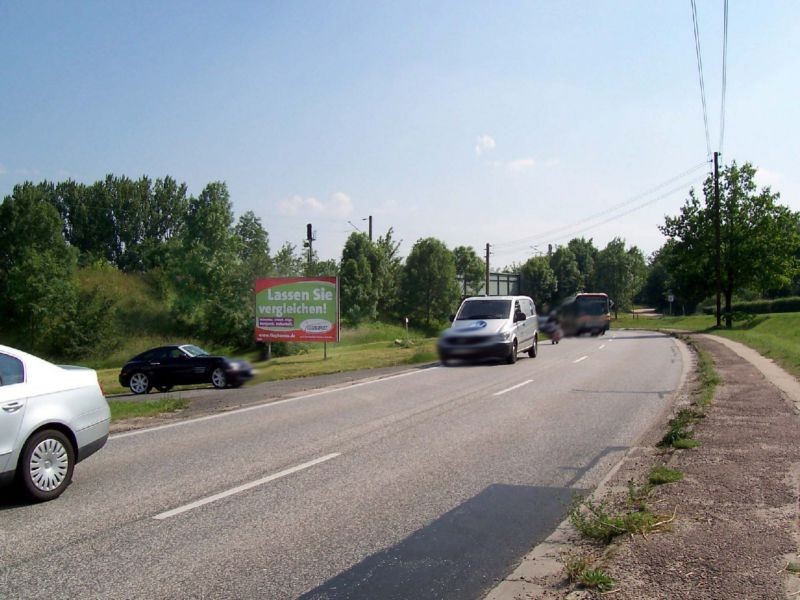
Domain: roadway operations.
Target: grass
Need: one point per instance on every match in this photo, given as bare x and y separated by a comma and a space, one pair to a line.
774, 335
121, 409
596, 579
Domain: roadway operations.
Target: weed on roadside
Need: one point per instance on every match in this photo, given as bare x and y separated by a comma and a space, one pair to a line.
685, 444
581, 570
596, 579
660, 475
594, 522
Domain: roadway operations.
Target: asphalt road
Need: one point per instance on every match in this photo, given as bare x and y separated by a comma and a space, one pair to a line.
427, 484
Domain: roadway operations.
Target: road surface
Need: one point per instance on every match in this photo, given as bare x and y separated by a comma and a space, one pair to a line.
429, 483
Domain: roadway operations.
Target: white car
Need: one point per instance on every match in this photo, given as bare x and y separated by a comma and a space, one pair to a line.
51, 417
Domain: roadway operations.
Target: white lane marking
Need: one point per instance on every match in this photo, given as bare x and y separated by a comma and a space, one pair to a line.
580, 359
242, 488
261, 406
601, 346
519, 385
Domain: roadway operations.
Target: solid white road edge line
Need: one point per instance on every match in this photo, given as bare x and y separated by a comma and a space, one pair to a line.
264, 405
580, 359
242, 488
519, 385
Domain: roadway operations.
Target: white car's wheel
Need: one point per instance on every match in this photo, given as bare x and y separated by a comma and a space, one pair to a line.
46, 465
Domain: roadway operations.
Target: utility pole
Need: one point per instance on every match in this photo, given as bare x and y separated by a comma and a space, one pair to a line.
717, 238
370, 228
486, 292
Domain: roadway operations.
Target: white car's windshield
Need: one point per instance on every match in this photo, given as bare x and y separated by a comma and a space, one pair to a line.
484, 309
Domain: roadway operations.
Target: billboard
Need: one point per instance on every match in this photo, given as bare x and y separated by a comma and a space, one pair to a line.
297, 309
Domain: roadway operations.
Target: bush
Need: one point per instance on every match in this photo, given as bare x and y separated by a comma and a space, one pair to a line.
757, 307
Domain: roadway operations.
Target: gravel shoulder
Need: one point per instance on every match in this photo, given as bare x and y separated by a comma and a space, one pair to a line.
735, 526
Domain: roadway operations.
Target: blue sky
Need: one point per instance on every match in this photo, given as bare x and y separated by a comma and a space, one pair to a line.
504, 123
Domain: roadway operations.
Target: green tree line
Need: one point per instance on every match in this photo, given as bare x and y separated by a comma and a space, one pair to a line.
201, 262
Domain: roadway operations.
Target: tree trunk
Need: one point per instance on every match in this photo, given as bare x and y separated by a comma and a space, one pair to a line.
728, 313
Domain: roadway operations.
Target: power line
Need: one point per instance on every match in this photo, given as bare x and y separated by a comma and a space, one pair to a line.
724, 79
521, 243
700, 73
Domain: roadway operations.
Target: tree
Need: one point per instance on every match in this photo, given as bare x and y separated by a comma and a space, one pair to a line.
358, 289
538, 279
287, 263
429, 287
388, 277
36, 265
620, 273
253, 247
470, 269
565, 268
214, 298
585, 256
759, 238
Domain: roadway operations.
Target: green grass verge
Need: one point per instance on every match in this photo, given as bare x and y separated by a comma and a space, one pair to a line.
121, 409
775, 335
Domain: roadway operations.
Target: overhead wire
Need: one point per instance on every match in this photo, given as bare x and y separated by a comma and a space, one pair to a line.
700, 73
521, 243
724, 79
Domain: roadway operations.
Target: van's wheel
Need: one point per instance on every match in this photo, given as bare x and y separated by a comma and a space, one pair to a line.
46, 465
512, 358
534, 350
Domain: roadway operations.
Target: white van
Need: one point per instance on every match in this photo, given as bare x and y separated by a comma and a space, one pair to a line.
491, 327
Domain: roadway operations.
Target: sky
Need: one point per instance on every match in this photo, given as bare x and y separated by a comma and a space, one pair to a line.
515, 124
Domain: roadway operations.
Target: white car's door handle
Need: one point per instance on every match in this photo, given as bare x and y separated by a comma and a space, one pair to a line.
12, 407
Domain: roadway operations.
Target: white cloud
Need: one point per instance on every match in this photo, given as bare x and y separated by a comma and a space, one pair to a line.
339, 205
297, 204
552, 162
522, 164
484, 144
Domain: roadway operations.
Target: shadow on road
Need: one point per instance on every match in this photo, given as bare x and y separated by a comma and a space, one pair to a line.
460, 555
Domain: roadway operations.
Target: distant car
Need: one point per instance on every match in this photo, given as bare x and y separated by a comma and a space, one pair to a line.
51, 417
168, 366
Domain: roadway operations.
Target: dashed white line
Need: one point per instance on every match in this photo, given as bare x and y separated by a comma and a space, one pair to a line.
519, 385
242, 488
580, 359
601, 346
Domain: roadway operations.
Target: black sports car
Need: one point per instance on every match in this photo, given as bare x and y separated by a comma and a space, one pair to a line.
167, 366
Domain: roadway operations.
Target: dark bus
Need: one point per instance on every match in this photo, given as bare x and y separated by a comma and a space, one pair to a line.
585, 313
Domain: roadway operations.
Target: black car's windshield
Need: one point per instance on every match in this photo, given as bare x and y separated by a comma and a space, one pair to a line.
484, 309
194, 350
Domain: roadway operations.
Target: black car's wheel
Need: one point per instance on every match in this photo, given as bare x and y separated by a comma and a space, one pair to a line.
218, 379
46, 464
534, 350
512, 357
140, 383
164, 388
